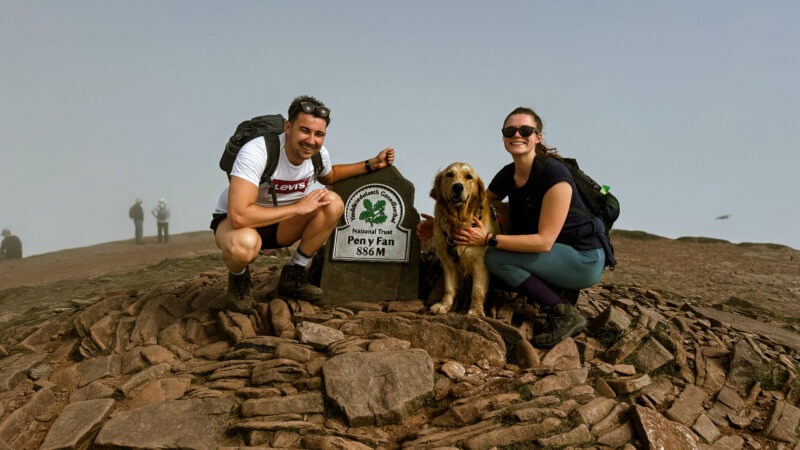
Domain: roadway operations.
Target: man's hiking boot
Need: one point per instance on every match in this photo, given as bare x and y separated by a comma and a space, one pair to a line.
294, 284
240, 296
563, 321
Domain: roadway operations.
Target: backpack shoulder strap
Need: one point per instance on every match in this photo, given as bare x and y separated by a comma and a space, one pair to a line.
572, 166
318, 166
273, 155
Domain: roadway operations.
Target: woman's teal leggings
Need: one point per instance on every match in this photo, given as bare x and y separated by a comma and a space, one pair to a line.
562, 266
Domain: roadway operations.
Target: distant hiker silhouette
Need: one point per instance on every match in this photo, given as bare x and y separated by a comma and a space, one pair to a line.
11, 248
161, 213
137, 214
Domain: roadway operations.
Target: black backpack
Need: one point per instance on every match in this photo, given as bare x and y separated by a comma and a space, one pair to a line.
269, 127
602, 205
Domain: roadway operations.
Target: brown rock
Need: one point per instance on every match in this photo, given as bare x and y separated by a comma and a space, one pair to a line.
331, 443
627, 385
563, 356
14, 369
358, 383
593, 411
688, 406
612, 319
618, 437
15, 423
203, 422
76, 424
650, 355
506, 436
706, 429
656, 431
158, 391
614, 419
783, 422
300, 404
574, 437
280, 317
156, 354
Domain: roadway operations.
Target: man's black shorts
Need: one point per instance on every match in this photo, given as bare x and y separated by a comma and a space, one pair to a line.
269, 234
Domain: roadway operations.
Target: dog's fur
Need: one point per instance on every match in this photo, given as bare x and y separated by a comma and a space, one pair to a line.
460, 195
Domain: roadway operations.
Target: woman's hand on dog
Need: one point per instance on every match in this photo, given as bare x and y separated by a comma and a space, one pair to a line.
474, 236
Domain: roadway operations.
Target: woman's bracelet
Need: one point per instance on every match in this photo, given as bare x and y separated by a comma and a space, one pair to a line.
486, 241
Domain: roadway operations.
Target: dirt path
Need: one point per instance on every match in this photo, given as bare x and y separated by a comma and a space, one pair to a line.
102, 259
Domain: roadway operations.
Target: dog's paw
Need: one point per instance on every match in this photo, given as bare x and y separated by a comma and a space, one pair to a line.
476, 312
441, 308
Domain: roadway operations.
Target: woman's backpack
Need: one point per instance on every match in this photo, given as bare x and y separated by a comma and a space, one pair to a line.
603, 207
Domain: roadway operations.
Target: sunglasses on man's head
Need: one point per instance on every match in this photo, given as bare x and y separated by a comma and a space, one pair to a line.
524, 131
319, 111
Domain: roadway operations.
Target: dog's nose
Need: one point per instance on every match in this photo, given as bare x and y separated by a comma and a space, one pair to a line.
458, 188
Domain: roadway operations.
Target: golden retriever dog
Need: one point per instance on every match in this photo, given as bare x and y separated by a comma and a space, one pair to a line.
460, 195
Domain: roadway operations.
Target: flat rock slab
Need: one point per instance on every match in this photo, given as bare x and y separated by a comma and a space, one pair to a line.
746, 324
14, 368
450, 336
76, 424
185, 424
659, 432
374, 388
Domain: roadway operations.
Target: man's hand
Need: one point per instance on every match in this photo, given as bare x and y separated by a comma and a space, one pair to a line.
312, 202
425, 228
384, 159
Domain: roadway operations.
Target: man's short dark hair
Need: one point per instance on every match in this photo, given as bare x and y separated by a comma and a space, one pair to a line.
295, 108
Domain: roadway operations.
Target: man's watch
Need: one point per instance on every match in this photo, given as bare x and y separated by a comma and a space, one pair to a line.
492, 241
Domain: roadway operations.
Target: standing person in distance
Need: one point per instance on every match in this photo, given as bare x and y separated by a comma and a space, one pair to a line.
245, 220
162, 215
136, 212
11, 247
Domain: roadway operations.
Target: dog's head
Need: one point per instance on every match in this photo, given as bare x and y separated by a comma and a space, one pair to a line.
459, 186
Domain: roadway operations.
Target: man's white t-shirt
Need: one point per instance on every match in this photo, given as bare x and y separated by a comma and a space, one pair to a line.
291, 182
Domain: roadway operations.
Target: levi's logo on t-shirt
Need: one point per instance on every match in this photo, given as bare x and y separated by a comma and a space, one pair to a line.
288, 187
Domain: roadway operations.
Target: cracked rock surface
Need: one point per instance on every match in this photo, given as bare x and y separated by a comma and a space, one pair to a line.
157, 364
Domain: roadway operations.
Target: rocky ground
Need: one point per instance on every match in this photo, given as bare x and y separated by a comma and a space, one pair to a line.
692, 343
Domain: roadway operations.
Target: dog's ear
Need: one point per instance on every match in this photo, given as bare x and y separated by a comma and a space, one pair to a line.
476, 202
435, 191
481, 189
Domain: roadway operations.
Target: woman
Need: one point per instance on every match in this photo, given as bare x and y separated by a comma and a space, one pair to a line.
551, 244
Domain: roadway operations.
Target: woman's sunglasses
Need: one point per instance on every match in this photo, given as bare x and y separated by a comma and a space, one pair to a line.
319, 111
524, 131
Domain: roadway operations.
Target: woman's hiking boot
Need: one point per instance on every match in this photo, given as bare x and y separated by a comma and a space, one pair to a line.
563, 321
240, 296
294, 283
569, 295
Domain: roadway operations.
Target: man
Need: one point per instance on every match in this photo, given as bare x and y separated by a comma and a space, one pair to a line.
245, 220
137, 214
11, 248
161, 213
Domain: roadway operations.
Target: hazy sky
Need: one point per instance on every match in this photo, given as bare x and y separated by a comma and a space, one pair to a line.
687, 109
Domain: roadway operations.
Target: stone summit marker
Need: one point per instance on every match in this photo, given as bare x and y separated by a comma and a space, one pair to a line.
373, 255
373, 230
